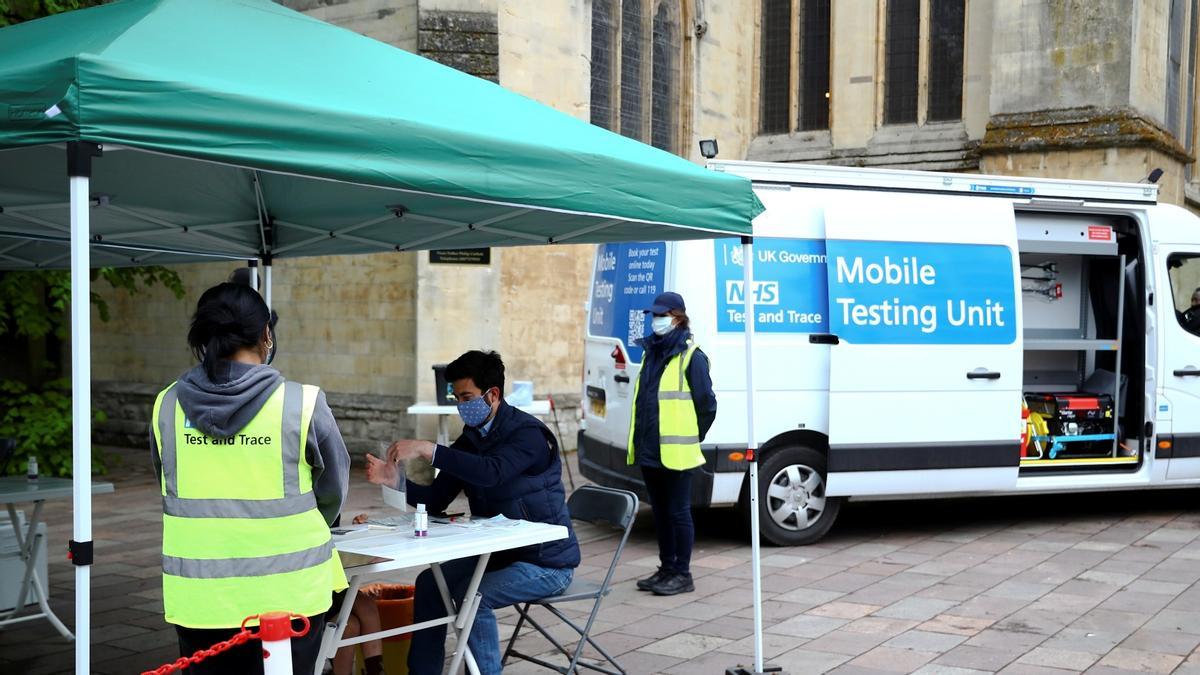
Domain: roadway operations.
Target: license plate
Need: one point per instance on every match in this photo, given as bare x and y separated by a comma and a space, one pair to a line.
596, 401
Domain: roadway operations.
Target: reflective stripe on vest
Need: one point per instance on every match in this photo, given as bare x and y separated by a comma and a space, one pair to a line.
678, 427
241, 531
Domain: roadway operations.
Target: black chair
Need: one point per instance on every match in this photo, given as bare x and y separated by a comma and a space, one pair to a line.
598, 506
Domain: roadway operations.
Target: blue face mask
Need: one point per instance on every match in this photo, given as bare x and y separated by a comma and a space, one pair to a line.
474, 412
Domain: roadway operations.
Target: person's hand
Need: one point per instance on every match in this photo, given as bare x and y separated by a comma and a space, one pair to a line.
401, 451
381, 472
360, 519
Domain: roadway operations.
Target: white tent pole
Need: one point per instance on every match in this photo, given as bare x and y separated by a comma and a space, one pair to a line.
79, 171
752, 447
267, 282
253, 274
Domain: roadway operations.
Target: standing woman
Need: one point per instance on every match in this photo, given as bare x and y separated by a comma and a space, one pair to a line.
253, 471
674, 406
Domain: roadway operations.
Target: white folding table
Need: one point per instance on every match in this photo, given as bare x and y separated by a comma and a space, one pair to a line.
400, 549
18, 489
444, 412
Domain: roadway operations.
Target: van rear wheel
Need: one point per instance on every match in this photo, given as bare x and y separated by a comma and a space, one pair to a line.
793, 507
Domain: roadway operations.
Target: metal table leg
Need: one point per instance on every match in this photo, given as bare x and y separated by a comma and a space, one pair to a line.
466, 617
332, 636
27, 548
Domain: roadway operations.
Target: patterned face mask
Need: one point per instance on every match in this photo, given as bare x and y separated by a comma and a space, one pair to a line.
474, 412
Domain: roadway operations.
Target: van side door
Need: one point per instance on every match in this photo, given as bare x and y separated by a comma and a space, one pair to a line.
926, 378
1179, 397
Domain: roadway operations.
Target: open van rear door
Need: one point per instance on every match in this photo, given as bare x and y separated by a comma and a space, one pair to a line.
926, 377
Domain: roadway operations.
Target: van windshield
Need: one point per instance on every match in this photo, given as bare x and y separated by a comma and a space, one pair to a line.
1184, 271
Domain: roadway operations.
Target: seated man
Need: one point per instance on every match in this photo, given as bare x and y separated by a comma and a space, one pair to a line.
506, 461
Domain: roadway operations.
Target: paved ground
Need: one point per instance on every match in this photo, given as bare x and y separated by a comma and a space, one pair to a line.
1097, 583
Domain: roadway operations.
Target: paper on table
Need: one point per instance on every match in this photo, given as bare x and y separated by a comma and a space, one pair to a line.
498, 521
394, 498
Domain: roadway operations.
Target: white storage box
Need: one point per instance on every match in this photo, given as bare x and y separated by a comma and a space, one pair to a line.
12, 568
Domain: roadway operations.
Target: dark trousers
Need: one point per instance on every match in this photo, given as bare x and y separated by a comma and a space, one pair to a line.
247, 658
671, 501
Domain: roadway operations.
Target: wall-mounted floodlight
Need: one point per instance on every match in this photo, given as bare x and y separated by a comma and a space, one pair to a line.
708, 148
1154, 176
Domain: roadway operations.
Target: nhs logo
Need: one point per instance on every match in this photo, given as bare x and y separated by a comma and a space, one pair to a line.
765, 292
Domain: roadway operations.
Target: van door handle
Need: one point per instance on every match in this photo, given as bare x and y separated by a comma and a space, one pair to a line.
823, 339
622, 378
981, 374
1190, 371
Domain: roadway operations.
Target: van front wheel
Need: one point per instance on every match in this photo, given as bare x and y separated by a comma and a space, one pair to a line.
793, 508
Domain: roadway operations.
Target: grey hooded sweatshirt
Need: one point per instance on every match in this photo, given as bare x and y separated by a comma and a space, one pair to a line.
223, 407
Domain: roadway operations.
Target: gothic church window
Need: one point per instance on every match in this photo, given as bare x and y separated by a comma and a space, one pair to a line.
632, 49
637, 64
604, 60
665, 78
1189, 129
929, 32
795, 38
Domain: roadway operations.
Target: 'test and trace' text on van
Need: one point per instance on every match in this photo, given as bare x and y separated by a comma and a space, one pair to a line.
920, 334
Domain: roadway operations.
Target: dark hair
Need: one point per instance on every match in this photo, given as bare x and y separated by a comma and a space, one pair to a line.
485, 369
682, 316
228, 317
242, 275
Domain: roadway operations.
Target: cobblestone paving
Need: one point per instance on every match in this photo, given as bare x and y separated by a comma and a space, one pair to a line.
1097, 583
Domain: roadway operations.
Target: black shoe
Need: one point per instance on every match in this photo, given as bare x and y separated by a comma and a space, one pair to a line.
649, 582
674, 584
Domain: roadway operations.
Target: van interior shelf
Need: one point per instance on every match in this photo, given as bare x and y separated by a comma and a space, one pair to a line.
1063, 462
1071, 345
1074, 281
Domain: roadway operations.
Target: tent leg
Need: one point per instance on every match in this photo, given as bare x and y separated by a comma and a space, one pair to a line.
752, 455
752, 446
267, 282
253, 265
79, 170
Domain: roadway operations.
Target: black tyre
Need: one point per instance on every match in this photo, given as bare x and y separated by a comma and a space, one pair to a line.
793, 508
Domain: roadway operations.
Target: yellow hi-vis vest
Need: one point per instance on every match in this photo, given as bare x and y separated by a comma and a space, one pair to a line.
241, 531
678, 429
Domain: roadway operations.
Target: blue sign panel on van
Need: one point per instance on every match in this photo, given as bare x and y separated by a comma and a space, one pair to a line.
887, 292
789, 286
1002, 189
626, 279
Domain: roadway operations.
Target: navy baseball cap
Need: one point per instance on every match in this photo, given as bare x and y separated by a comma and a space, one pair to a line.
666, 302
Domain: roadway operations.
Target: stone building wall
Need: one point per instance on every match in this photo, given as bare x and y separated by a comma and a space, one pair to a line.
857, 135
1080, 91
347, 328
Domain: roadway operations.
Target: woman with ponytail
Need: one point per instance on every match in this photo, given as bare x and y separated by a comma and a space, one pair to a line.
253, 471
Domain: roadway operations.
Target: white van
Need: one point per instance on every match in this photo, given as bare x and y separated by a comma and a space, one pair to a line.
920, 334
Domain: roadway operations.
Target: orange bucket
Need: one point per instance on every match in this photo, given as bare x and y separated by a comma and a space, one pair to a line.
395, 603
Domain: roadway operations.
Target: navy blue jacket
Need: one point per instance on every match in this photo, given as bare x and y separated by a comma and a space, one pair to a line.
660, 350
513, 471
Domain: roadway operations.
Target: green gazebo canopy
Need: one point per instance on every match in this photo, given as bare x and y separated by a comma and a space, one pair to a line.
239, 128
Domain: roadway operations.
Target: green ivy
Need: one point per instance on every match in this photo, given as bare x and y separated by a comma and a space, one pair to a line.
36, 304
16, 11
40, 421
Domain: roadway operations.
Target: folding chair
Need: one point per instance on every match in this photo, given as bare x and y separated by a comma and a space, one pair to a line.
598, 506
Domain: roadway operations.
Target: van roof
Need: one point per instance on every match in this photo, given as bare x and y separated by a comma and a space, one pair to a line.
930, 181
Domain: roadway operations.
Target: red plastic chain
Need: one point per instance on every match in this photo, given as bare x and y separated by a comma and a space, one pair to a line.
183, 662
241, 638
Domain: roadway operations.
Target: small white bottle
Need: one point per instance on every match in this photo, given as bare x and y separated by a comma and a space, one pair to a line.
31, 473
421, 522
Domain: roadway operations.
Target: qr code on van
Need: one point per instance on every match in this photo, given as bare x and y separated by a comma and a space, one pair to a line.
637, 326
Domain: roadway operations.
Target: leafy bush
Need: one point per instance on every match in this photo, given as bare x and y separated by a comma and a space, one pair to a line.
40, 421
